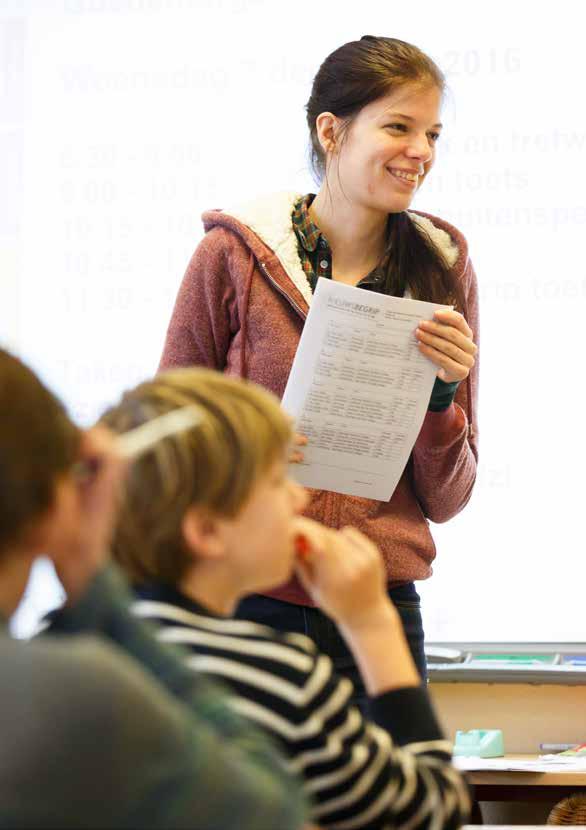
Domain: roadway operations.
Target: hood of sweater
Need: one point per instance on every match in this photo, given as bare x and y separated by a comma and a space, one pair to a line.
265, 225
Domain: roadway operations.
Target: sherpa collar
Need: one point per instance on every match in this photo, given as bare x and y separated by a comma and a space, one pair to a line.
269, 217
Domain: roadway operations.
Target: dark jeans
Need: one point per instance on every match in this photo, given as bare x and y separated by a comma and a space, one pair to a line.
314, 624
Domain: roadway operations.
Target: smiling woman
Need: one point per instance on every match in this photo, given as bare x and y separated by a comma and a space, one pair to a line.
374, 120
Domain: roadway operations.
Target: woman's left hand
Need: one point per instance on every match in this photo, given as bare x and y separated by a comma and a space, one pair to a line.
447, 341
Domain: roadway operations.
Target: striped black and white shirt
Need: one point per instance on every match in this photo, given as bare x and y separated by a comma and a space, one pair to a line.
392, 772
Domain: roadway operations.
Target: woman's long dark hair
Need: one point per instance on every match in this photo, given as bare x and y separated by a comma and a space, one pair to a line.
353, 76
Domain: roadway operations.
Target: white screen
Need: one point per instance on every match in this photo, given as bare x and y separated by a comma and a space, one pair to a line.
122, 120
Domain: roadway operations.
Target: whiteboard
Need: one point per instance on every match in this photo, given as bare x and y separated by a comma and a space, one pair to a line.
122, 120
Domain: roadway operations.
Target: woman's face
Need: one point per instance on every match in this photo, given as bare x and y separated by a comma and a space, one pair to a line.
388, 149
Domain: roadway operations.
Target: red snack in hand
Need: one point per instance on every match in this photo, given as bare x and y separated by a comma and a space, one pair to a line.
302, 547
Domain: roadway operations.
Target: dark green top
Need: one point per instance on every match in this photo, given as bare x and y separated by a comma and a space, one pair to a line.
104, 727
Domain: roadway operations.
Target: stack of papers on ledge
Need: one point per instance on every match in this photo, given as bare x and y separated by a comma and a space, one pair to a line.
545, 763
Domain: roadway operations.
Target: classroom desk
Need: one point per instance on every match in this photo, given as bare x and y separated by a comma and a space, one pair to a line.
495, 785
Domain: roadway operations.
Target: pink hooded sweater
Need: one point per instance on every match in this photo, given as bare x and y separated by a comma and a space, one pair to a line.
241, 309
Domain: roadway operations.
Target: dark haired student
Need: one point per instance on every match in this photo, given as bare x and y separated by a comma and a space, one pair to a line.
374, 122
103, 726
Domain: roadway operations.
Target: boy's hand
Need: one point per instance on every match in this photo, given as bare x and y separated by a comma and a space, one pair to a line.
82, 547
343, 572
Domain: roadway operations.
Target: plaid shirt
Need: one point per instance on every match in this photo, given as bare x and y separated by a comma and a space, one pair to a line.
315, 253
316, 259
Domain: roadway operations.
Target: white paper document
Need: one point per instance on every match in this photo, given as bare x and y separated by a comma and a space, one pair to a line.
359, 389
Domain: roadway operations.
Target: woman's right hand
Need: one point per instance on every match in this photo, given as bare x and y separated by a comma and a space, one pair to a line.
296, 455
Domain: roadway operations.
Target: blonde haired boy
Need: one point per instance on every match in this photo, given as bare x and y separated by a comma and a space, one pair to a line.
210, 516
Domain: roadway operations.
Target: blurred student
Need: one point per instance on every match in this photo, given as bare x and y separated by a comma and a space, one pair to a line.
104, 728
208, 516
